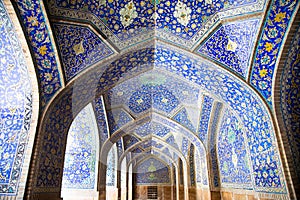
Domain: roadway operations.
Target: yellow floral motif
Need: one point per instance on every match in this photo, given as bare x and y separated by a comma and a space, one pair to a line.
43, 50
78, 48
182, 13
128, 14
279, 16
231, 45
48, 76
33, 20
263, 72
268, 46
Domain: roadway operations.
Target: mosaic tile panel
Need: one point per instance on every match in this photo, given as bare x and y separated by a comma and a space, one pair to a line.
152, 128
208, 77
79, 48
204, 119
80, 156
172, 141
162, 157
125, 20
234, 166
111, 167
198, 174
182, 118
117, 118
232, 45
15, 106
156, 144
57, 121
151, 171
101, 119
270, 45
120, 148
34, 21
153, 92
185, 146
120, 68
289, 99
167, 152
248, 106
157, 97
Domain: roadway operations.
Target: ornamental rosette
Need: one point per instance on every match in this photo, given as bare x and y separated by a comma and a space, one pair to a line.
128, 14
182, 13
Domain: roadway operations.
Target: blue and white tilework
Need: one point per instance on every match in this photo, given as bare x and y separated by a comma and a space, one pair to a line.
172, 141
79, 48
151, 171
246, 104
270, 44
80, 156
117, 118
15, 106
225, 88
111, 167
33, 18
232, 44
152, 128
120, 149
101, 119
128, 22
204, 118
182, 118
234, 163
289, 99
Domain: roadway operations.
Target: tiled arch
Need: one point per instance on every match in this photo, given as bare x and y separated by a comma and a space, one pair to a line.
201, 72
24, 69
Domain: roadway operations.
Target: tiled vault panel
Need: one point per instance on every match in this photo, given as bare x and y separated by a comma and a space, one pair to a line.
151, 171
81, 152
15, 106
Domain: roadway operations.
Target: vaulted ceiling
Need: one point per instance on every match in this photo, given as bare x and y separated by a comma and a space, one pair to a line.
162, 74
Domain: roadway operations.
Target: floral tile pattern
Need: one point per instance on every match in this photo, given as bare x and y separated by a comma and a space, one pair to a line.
127, 22
225, 88
234, 164
151, 171
117, 118
232, 44
80, 156
289, 100
33, 19
15, 106
204, 119
111, 168
101, 118
270, 44
182, 118
79, 48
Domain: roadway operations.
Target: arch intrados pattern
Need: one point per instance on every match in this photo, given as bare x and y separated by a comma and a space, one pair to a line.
197, 72
158, 140
128, 128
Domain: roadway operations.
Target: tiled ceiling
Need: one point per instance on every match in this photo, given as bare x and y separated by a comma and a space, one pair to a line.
163, 75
